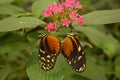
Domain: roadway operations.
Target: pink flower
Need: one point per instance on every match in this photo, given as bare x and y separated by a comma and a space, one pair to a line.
51, 27
57, 8
71, 3
74, 15
80, 20
66, 22
48, 11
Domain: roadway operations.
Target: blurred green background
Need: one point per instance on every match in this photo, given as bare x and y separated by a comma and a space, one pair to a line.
19, 41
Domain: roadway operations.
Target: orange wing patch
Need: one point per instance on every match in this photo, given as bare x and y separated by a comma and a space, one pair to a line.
54, 44
67, 47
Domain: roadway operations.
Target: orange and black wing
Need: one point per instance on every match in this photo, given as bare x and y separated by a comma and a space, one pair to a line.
72, 50
48, 51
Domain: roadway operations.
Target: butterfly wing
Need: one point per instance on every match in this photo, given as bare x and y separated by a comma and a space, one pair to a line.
71, 49
48, 51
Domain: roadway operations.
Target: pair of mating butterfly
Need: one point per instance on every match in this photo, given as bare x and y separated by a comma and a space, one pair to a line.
50, 47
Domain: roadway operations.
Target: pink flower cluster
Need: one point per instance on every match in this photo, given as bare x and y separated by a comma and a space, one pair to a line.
53, 9
51, 27
66, 22
71, 3
63, 14
75, 16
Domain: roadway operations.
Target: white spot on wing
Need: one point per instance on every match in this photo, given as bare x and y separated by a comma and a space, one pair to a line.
39, 55
79, 48
44, 67
42, 58
48, 65
83, 65
69, 62
79, 58
80, 69
82, 52
48, 56
74, 61
48, 60
47, 68
42, 51
76, 69
53, 60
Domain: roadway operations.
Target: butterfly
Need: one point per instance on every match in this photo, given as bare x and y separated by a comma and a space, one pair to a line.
49, 49
73, 52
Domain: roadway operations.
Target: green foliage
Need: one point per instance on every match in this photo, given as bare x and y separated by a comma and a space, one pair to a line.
102, 17
117, 66
8, 9
7, 45
15, 23
21, 23
6, 1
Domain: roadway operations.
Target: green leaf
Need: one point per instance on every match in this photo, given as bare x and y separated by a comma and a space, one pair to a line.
102, 28
4, 72
39, 6
112, 46
13, 43
117, 66
35, 72
14, 23
2, 34
102, 17
6, 1
117, 70
9, 9
107, 42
